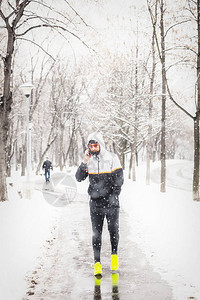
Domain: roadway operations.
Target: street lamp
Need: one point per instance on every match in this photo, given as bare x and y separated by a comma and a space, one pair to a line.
26, 88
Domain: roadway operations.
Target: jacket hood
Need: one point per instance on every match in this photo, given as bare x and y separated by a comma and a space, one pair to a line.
97, 136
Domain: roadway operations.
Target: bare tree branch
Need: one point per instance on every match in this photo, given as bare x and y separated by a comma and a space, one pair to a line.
76, 13
168, 89
40, 84
154, 28
21, 8
179, 23
37, 46
33, 16
190, 9
55, 27
3, 58
181, 47
178, 105
11, 5
2, 15
176, 63
58, 12
13, 12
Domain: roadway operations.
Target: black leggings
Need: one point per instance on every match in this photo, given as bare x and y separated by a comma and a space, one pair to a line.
97, 218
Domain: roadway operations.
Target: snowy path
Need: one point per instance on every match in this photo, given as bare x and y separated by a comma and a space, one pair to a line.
66, 269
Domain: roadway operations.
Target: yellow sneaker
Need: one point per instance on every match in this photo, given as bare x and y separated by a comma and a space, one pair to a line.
115, 279
97, 268
97, 279
114, 262
115, 291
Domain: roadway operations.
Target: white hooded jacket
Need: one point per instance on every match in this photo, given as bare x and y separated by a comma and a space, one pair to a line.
105, 174
105, 162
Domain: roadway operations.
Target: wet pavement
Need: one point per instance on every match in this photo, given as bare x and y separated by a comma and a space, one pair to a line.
65, 271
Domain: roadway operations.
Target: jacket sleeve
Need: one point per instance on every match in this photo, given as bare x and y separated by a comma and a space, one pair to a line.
81, 173
117, 176
118, 180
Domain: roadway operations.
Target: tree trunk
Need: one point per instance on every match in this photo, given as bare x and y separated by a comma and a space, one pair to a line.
149, 140
130, 164
136, 118
196, 119
70, 146
196, 159
122, 155
3, 190
50, 141
44, 153
16, 157
163, 119
133, 162
23, 158
61, 150
133, 166
5, 108
148, 147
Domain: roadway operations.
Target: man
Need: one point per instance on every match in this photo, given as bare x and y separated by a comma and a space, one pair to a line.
47, 165
105, 181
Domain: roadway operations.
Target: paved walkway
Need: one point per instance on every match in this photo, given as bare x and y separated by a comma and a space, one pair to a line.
66, 269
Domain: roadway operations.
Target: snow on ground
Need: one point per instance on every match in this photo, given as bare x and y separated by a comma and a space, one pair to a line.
166, 227
24, 226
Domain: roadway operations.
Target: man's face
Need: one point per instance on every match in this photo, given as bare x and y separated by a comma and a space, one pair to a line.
94, 148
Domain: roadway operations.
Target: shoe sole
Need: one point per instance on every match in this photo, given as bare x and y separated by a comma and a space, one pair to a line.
97, 273
98, 276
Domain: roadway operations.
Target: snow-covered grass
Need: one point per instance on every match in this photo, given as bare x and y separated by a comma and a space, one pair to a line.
166, 227
24, 227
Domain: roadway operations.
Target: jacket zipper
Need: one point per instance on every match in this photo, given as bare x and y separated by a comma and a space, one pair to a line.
98, 163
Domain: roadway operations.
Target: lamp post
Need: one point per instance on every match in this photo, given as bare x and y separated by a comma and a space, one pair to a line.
26, 88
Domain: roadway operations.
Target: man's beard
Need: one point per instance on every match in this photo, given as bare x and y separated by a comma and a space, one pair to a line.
94, 152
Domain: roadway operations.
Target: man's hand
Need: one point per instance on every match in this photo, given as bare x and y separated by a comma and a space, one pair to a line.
86, 157
114, 200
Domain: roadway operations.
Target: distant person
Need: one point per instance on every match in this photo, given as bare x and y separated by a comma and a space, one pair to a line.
105, 181
47, 165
